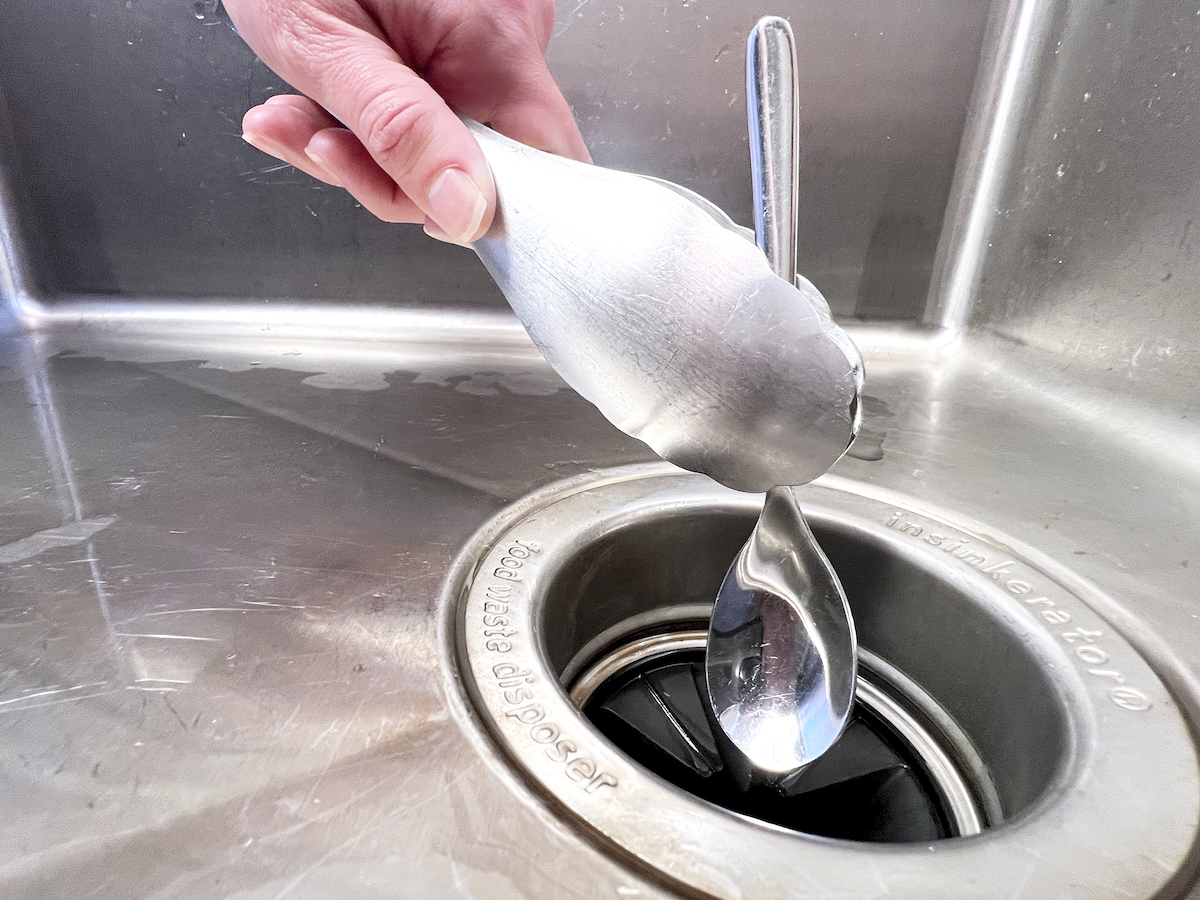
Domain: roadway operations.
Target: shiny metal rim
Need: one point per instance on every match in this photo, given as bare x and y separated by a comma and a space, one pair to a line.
1082, 832
966, 816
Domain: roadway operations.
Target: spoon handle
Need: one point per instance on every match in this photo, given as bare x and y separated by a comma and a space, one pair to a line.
772, 106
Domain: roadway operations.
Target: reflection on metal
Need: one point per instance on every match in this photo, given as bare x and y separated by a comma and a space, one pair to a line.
1001, 103
967, 819
656, 89
871, 691
51, 538
991, 636
16, 286
673, 326
780, 660
308, 552
62, 473
592, 674
773, 108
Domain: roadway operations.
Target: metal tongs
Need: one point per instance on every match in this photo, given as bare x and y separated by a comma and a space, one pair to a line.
653, 305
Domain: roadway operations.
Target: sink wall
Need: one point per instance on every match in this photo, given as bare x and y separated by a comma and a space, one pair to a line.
133, 181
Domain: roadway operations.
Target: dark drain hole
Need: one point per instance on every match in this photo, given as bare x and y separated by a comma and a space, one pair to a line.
870, 786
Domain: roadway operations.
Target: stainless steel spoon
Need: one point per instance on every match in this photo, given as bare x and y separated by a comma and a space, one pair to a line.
781, 661
781, 658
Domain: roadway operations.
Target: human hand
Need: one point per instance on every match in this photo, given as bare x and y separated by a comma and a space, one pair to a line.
391, 72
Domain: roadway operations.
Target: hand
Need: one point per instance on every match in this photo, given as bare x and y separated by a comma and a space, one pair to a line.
391, 72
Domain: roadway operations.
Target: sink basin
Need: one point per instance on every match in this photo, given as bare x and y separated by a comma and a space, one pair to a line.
234, 669
257, 447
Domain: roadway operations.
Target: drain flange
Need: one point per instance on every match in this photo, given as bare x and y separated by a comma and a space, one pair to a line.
1094, 770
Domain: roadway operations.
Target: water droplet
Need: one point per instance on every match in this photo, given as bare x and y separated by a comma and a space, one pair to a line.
202, 9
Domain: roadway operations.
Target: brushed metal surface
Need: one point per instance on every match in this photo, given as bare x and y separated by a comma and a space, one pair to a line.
781, 656
319, 474
163, 199
1094, 254
1075, 209
780, 662
669, 321
773, 111
318, 454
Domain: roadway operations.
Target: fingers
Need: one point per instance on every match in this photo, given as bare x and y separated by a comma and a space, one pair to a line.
298, 131
413, 159
339, 151
406, 128
283, 126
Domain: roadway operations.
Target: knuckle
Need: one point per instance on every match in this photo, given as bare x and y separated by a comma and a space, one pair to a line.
510, 26
398, 127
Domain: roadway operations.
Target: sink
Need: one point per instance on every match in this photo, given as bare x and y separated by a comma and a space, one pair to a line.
263, 459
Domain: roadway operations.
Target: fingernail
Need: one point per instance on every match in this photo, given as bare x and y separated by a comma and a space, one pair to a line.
258, 142
324, 167
435, 231
457, 205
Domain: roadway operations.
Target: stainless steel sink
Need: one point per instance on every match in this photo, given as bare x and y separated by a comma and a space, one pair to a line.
256, 447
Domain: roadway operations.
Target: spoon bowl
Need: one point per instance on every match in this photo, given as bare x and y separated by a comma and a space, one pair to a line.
781, 662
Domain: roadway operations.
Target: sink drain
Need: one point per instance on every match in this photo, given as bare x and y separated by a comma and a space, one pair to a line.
887, 779
1008, 740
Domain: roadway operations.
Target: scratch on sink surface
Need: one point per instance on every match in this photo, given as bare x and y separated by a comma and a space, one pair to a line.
320, 737
56, 701
55, 695
287, 722
166, 637
50, 538
252, 174
568, 20
336, 747
1033, 864
51, 691
175, 713
281, 603
249, 567
879, 880
385, 819
251, 606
